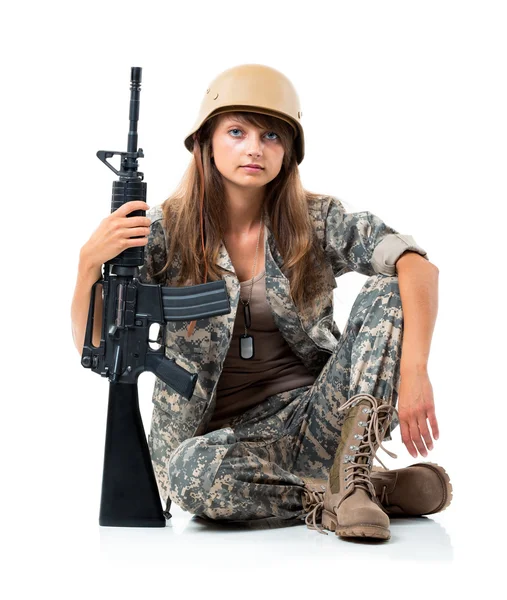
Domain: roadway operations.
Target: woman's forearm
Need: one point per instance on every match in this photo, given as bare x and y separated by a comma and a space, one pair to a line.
418, 283
87, 275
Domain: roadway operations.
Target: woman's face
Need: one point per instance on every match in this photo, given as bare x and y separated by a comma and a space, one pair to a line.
235, 144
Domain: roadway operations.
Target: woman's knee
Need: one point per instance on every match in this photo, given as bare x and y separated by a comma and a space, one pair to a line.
381, 284
379, 292
192, 469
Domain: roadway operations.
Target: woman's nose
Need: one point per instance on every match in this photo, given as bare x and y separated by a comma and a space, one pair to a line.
254, 143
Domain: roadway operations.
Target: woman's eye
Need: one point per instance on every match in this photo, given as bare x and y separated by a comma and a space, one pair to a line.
269, 133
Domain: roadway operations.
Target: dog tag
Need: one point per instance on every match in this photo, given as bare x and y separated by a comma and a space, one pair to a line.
246, 346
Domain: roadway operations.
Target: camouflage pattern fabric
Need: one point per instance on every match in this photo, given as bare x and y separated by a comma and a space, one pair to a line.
253, 468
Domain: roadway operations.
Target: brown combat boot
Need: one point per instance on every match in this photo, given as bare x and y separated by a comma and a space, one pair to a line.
348, 505
419, 489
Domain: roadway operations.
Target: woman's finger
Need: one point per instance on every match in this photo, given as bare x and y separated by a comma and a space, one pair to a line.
131, 206
415, 436
406, 438
433, 422
423, 428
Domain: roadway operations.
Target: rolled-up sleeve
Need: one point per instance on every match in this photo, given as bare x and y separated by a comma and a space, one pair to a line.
362, 242
155, 252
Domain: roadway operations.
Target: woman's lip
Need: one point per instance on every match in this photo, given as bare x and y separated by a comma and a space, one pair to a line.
252, 168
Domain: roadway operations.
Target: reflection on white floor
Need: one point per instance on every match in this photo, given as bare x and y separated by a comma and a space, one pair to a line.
412, 539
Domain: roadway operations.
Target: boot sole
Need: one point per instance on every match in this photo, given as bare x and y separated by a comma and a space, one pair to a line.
367, 530
446, 484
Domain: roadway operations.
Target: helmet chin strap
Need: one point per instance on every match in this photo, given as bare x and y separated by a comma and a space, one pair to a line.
198, 159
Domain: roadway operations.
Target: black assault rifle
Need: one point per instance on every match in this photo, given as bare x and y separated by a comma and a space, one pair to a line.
130, 496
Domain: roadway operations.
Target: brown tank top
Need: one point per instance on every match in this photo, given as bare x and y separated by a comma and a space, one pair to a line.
274, 368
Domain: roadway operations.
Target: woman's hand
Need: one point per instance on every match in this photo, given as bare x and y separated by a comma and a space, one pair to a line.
114, 234
415, 407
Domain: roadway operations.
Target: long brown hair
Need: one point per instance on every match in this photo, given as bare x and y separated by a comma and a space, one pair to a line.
286, 202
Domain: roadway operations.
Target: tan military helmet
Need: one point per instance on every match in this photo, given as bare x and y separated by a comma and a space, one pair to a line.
255, 88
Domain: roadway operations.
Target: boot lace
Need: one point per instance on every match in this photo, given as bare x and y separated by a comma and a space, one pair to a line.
381, 416
361, 460
384, 500
315, 499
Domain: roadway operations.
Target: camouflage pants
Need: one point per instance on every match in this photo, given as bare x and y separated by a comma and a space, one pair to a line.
253, 468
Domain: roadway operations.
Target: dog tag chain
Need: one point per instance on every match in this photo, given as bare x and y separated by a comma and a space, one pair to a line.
246, 341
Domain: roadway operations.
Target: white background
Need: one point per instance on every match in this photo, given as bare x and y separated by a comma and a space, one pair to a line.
404, 115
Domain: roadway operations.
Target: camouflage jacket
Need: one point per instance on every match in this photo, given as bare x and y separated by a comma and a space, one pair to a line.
358, 242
